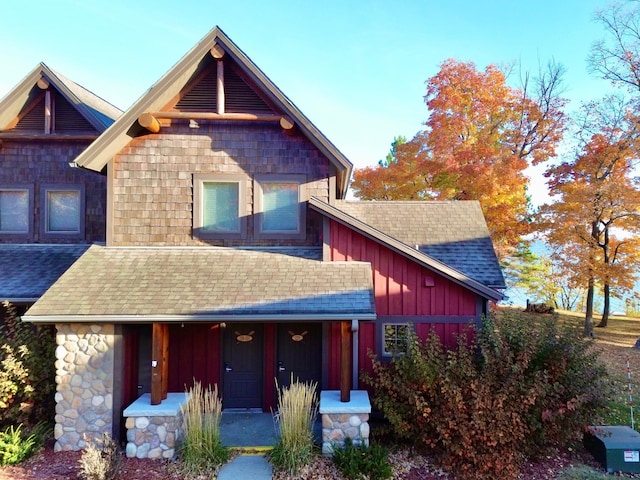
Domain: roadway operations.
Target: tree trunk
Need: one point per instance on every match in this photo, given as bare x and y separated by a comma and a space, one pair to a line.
607, 303
588, 318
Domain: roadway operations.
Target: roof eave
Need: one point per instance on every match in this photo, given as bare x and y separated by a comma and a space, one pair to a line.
426, 260
270, 317
13, 102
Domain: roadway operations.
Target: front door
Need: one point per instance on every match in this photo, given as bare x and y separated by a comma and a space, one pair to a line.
242, 372
299, 353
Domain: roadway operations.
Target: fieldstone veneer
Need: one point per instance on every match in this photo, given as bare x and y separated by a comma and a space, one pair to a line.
341, 420
84, 383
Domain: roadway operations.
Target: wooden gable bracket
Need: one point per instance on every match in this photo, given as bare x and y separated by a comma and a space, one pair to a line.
151, 120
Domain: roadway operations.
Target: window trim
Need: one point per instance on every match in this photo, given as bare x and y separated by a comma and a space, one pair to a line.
44, 211
199, 179
383, 352
258, 182
30, 211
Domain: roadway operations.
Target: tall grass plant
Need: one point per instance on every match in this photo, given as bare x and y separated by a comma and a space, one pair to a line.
202, 451
297, 411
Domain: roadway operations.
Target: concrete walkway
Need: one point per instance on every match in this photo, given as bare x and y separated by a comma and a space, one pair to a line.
250, 467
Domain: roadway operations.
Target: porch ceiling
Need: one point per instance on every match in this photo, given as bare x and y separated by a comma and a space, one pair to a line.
191, 284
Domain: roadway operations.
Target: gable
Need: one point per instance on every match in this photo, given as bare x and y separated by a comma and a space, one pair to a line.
250, 93
45, 102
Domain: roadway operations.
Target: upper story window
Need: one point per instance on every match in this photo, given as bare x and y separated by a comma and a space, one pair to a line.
279, 206
219, 205
16, 210
63, 210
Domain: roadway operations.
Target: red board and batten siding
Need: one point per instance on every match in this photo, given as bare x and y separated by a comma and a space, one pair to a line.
401, 288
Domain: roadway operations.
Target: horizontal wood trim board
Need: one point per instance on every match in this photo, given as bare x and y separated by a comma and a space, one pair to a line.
47, 137
427, 319
217, 116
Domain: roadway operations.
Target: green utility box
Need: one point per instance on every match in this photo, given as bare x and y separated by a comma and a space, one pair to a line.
617, 448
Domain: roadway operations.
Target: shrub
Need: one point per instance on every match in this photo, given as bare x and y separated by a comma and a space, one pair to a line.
27, 375
101, 459
297, 410
482, 407
362, 461
15, 446
202, 451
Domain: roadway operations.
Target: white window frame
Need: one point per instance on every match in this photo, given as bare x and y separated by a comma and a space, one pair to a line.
259, 181
28, 189
199, 179
44, 211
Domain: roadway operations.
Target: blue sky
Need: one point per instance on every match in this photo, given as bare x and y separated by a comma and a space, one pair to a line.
355, 68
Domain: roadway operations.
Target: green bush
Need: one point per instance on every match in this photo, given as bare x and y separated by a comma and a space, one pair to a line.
16, 446
506, 391
362, 462
202, 451
27, 372
297, 410
101, 459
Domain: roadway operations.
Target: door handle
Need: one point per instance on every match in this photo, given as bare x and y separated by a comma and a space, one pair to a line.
227, 368
281, 367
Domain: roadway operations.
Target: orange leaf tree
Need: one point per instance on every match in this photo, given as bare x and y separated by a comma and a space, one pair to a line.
595, 219
479, 138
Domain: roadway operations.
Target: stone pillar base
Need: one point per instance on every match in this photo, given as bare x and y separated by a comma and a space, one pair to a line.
341, 420
154, 431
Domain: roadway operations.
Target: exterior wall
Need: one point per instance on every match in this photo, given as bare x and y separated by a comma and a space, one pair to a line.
402, 289
153, 179
36, 163
84, 379
194, 353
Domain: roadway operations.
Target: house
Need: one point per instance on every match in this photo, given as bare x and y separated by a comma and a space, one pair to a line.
49, 211
233, 258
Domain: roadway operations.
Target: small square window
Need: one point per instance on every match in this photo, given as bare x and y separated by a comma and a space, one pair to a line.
219, 206
279, 207
14, 211
63, 211
395, 339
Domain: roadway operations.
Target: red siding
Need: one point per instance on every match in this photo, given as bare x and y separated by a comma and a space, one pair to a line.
399, 283
401, 288
334, 356
194, 352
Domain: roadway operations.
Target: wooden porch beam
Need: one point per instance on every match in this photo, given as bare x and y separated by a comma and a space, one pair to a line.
217, 52
159, 362
151, 120
42, 83
345, 359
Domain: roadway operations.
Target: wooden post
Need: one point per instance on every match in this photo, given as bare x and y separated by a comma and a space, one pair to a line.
47, 112
157, 363
165, 361
220, 86
148, 121
345, 360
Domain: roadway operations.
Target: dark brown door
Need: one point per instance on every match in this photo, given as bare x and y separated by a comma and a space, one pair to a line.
242, 366
299, 352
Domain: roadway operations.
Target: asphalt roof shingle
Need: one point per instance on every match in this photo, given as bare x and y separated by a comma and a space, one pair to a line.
455, 233
28, 270
206, 281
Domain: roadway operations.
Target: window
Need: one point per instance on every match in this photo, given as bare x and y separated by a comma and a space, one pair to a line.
63, 211
279, 207
395, 337
15, 210
219, 206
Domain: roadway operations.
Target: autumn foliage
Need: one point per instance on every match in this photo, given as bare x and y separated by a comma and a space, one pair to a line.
479, 138
485, 407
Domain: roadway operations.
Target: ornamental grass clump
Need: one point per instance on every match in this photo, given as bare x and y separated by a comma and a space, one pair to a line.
101, 459
297, 411
202, 451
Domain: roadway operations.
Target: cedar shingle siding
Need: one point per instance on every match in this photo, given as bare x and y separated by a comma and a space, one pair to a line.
38, 163
153, 184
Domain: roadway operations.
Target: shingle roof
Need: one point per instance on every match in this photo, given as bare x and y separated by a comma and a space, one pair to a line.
205, 283
28, 270
454, 233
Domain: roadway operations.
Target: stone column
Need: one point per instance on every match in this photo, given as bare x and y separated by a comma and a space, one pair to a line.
84, 383
341, 420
